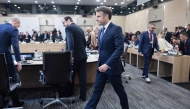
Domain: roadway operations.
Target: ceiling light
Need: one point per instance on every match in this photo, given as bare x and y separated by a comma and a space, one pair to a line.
115, 3
54, 8
97, 0
39, 5
15, 5
52, 2
129, 12
128, 8
142, 4
101, 3
18, 7
122, 3
121, 12
112, 8
77, 2
76, 6
36, 1
53, 5
104, 0
9, 1
134, 7
162, 0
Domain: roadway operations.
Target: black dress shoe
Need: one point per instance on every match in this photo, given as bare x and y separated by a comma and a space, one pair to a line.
83, 99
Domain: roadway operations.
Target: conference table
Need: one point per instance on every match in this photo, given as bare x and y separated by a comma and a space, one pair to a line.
177, 67
30, 72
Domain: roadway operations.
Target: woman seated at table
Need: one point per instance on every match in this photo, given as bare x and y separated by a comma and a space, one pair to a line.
58, 36
163, 44
94, 42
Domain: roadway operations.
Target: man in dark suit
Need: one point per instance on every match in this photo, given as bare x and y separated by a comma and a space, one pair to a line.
186, 45
167, 35
110, 40
176, 33
188, 30
75, 42
148, 41
8, 37
51, 36
134, 40
180, 30
45, 36
38, 37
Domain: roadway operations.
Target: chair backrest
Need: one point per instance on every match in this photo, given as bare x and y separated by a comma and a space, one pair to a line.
125, 53
4, 76
57, 67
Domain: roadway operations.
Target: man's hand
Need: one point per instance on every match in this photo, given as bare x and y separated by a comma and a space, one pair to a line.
72, 60
19, 66
103, 68
158, 53
140, 54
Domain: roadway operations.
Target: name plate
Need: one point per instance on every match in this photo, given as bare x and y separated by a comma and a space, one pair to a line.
50, 42
23, 42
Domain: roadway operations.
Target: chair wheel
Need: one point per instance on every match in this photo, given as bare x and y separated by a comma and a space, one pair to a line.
41, 102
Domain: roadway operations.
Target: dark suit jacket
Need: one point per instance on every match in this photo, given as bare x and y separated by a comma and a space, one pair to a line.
27, 40
8, 37
145, 45
168, 37
53, 37
59, 37
88, 42
75, 42
188, 32
137, 42
43, 36
39, 38
111, 48
187, 52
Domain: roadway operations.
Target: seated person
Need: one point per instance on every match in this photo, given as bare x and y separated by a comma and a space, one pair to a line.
27, 38
134, 40
88, 36
34, 36
94, 42
51, 36
186, 46
45, 36
163, 44
58, 36
39, 37
177, 43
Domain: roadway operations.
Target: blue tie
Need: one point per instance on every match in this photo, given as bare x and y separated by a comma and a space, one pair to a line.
102, 34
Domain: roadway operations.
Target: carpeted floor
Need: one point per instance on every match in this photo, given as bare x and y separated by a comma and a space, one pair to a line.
160, 94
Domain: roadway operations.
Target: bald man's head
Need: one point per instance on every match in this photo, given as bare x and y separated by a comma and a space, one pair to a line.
15, 22
88, 29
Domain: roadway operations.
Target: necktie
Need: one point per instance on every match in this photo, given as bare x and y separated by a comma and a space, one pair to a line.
102, 34
151, 42
150, 37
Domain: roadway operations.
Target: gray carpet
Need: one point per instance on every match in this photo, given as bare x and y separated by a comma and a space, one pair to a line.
160, 94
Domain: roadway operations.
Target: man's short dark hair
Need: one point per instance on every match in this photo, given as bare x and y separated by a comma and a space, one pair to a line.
166, 29
105, 10
180, 27
68, 17
188, 25
184, 34
176, 27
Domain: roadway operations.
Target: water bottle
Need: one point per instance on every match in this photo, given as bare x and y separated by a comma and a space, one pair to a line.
36, 54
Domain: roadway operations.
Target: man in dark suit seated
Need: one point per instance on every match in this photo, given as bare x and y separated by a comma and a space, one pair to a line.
180, 30
75, 42
167, 35
186, 46
109, 64
176, 33
8, 37
134, 40
38, 37
188, 30
51, 36
88, 37
45, 36
148, 41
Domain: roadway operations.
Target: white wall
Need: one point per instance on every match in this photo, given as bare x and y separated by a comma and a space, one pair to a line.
90, 20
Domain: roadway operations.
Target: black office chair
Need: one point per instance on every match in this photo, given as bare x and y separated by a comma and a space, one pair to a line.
124, 63
56, 71
5, 85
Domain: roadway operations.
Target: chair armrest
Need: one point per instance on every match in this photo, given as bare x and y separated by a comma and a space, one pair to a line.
42, 77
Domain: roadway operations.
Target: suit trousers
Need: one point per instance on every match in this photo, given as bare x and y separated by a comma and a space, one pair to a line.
99, 85
147, 60
80, 68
